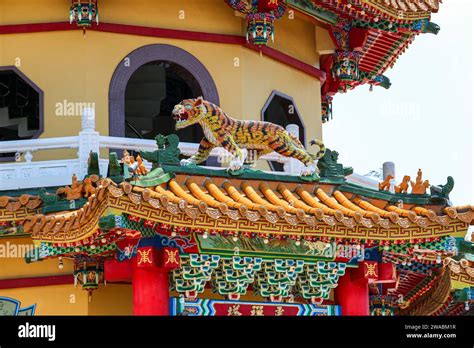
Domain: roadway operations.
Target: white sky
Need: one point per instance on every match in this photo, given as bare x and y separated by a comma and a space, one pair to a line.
425, 119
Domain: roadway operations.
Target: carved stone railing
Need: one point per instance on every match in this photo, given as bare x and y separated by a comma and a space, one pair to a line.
26, 173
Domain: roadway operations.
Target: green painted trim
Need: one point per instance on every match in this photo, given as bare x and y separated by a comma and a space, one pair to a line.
249, 174
154, 178
30, 191
63, 205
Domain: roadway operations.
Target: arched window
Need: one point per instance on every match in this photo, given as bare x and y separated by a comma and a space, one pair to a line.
21, 108
147, 84
281, 109
155, 74
151, 93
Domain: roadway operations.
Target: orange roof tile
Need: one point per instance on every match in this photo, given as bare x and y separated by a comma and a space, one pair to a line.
253, 200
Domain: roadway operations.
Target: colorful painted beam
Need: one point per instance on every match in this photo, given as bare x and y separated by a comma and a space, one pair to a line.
206, 307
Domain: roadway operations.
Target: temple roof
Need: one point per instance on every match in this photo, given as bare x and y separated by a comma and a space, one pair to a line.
247, 205
369, 10
378, 30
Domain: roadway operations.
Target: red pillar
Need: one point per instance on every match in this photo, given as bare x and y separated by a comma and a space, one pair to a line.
150, 284
353, 294
150, 291
148, 271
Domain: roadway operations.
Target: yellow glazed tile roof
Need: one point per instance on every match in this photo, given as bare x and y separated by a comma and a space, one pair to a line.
284, 203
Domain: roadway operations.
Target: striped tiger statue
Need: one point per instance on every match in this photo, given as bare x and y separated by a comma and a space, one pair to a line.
221, 130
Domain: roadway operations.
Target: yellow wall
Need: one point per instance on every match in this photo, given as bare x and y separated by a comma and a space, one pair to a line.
67, 67
324, 42
51, 300
16, 267
113, 299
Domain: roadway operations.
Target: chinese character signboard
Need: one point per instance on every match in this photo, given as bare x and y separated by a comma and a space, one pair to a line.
204, 307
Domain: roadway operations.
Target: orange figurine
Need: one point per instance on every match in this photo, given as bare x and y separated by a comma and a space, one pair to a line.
74, 192
419, 186
403, 187
385, 185
141, 169
88, 189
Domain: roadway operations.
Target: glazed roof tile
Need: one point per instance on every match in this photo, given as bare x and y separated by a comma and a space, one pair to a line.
290, 204
12, 204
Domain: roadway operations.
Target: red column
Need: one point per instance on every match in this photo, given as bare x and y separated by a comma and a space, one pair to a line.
353, 294
150, 291
150, 284
148, 271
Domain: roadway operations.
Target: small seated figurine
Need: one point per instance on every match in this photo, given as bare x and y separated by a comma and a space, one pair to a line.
127, 158
403, 187
74, 192
419, 186
135, 167
141, 169
385, 185
87, 189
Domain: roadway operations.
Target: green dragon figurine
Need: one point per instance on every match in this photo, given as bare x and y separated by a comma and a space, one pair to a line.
443, 191
329, 168
167, 153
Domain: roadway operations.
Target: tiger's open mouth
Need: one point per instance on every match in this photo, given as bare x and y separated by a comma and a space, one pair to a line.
181, 117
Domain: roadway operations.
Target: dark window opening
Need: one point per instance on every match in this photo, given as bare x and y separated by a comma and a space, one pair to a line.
20, 116
281, 109
151, 94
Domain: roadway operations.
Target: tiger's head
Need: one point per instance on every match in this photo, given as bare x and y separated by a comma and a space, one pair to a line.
189, 111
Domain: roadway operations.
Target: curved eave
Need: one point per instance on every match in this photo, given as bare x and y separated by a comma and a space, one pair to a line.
401, 11
276, 208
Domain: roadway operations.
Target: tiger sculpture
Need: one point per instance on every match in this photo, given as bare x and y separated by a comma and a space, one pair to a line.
221, 130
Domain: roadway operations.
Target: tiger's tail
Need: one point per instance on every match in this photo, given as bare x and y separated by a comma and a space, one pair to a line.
322, 149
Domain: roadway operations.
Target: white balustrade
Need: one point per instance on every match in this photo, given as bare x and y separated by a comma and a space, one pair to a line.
88, 140
187, 149
292, 165
29, 173
363, 181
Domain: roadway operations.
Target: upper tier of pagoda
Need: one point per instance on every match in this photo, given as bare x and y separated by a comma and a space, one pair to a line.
368, 35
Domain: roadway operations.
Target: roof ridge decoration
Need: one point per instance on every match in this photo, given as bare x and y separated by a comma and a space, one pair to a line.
330, 168
335, 202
